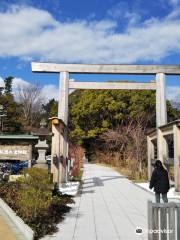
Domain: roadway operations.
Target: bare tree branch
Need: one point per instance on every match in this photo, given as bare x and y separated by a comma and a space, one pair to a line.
30, 98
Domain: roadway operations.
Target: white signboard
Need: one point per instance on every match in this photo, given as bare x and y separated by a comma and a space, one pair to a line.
15, 152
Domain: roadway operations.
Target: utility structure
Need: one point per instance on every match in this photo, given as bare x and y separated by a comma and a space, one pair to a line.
159, 85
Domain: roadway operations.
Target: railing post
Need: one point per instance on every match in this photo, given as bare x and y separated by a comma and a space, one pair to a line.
150, 219
163, 221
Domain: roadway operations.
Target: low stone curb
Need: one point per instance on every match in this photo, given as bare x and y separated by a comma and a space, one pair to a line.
18, 222
139, 186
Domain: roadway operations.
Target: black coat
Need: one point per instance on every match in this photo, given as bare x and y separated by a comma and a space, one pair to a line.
160, 180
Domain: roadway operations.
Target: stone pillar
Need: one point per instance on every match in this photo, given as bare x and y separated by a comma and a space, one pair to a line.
161, 114
176, 131
30, 156
150, 153
63, 115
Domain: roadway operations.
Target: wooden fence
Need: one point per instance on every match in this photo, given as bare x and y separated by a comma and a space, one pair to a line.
163, 221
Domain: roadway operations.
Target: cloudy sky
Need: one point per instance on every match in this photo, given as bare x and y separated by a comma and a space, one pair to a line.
94, 31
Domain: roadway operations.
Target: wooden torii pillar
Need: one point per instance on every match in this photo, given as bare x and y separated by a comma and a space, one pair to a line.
159, 85
59, 151
161, 115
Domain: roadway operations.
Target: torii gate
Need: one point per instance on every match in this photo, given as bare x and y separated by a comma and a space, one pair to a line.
65, 84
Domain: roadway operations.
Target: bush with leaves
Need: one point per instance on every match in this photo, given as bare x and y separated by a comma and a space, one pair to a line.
31, 198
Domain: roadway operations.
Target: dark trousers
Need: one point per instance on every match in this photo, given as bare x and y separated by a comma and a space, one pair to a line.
164, 197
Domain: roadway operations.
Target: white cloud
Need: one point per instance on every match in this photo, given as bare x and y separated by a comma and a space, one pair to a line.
174, 2
121, 11
1, 82
30, 33
17, 85
19, 82
47, 92
50, 91
173, 93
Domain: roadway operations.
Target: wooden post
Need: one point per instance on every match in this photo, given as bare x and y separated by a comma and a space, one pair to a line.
162, 146
55, 150
63, 115
64, 154
63, 97
176, 131
161, 114
150, 146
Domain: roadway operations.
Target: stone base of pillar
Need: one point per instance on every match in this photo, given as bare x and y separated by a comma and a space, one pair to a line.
41, 165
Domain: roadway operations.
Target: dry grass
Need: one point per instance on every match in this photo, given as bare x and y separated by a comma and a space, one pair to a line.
125, 171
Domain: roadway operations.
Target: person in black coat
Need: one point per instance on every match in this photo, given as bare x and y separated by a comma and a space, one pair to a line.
160, 182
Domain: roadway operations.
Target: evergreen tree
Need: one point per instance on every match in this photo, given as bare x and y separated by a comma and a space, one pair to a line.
11, 109
8, 85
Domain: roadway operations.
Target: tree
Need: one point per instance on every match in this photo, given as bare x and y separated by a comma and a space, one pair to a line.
173, 112
94, 112
8, 85
50, 108
112, 125
12, 110
125, 146
31, 102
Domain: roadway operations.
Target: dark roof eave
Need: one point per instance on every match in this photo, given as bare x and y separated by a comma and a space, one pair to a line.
176, 122
19, 137
163, 127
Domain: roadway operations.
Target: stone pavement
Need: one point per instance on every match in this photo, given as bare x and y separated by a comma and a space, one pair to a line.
8, 231
5, 231
110, 208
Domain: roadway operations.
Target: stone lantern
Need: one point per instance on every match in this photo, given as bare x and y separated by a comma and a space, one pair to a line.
42, 145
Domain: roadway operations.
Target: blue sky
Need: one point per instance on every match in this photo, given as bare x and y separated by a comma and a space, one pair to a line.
96, 31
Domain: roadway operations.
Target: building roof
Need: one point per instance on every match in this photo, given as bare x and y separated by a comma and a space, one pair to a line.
164, 127
19, 137
170, 124
42, 131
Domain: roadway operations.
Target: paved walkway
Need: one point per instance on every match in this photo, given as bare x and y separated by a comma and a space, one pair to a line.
8, 231
109, 208
5, 231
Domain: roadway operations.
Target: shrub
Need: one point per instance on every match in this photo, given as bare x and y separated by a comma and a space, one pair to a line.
31, 198
35, 194
78, 175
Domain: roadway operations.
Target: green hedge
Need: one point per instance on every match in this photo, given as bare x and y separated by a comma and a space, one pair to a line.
31, 198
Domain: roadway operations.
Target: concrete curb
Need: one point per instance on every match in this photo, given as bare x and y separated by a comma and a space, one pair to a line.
139, 186
149, 191
18, 222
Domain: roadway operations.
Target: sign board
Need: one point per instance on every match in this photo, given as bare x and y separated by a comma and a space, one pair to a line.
15, 152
